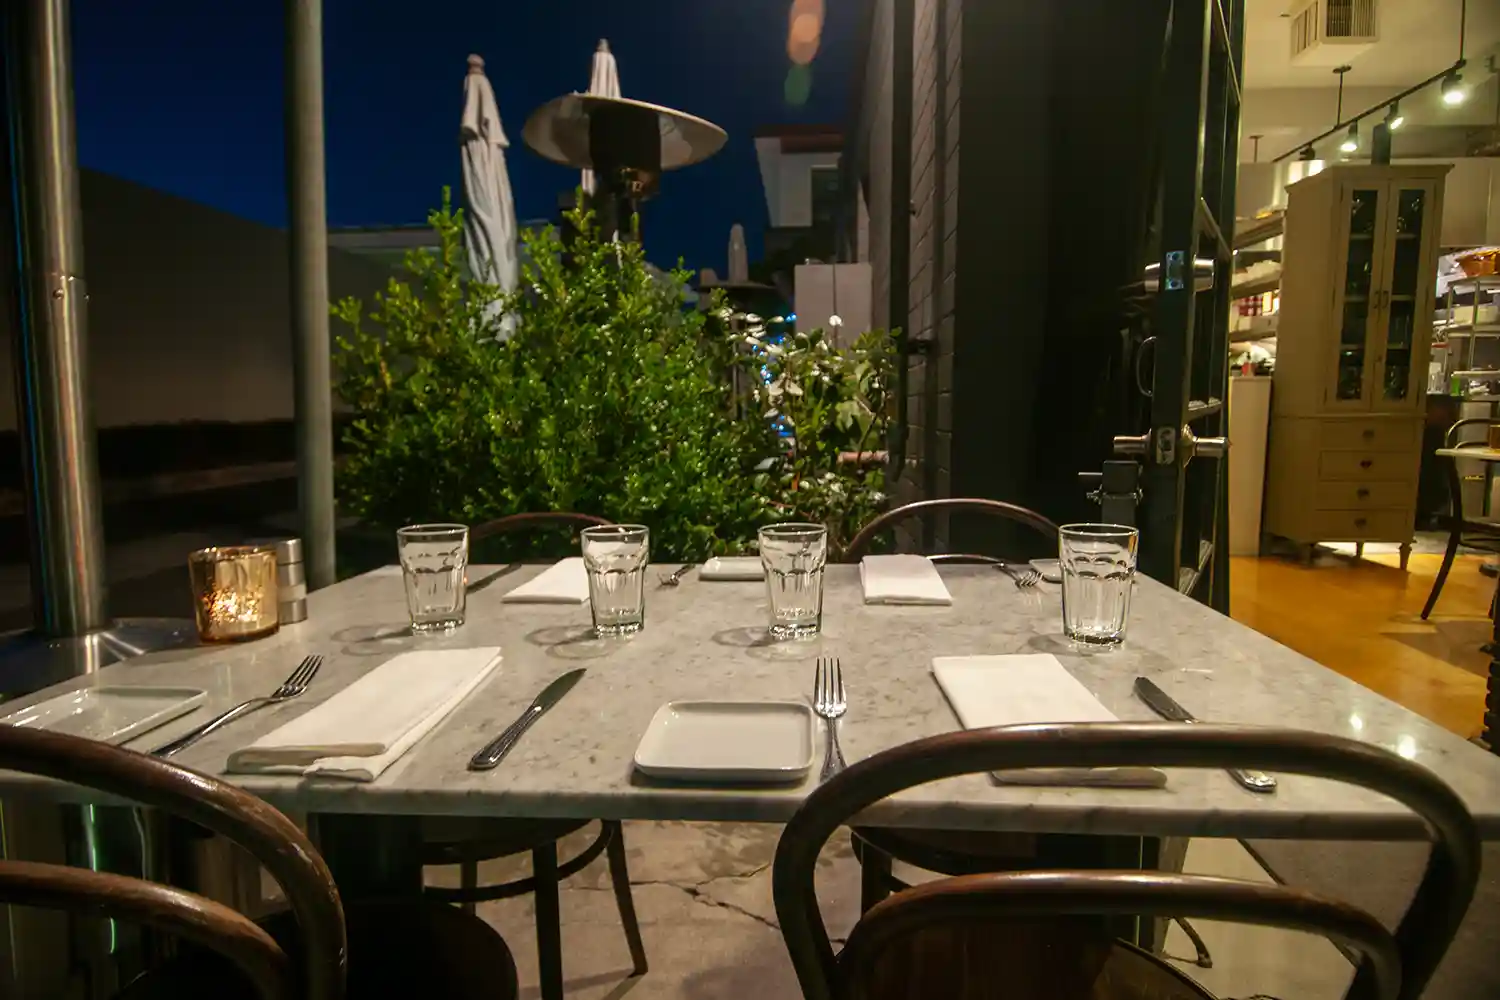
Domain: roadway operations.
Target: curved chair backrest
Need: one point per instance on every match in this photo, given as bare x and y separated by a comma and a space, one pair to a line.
539, 521
860, 545
1422, 936
251, 823
1450, 438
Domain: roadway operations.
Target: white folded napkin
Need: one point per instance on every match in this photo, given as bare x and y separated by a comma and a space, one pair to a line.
902, 579
365, 728
1013, 690
733, 568
565, 582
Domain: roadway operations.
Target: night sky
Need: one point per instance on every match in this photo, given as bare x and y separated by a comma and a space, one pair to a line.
186, 96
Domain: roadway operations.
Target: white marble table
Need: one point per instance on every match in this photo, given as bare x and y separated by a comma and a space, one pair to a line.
705, 640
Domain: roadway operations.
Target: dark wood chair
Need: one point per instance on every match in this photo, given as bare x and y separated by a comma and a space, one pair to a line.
1461, 530
1045, 530
1036, 934
468, 842
317, 951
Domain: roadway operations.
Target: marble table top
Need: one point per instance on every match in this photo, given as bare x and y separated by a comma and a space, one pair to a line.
705, 640
1477, 452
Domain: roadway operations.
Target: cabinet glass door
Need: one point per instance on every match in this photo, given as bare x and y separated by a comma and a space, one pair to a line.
1355, 298
1402, 297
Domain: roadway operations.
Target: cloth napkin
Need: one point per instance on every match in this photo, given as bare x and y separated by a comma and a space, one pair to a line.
733, 568
565, 582
990, 691
365, 728
902, 579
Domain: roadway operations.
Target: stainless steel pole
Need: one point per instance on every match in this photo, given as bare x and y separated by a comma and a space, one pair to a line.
309, 285
57, 428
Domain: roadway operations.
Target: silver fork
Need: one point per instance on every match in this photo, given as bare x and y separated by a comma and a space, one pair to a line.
829, 703
289, 689
673, 578
1028, 577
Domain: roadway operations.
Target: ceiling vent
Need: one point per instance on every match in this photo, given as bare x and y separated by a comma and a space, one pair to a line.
1331, 32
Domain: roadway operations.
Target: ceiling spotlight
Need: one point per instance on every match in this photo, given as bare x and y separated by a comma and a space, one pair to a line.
1454, 93
1351, 141
1394, 119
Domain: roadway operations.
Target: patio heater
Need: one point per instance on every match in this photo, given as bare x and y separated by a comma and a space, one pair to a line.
627, 144
45, 301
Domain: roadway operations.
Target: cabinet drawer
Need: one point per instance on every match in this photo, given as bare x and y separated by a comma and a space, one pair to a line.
1367, 435
1392, 525
1356, 495
1367, 465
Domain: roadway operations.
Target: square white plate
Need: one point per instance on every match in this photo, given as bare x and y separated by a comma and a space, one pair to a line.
728, 741
733, 568
110, 714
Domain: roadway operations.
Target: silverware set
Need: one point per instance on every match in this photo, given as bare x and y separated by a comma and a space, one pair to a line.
294, 686
673, 578
1024, 578
830, 704
1165, 706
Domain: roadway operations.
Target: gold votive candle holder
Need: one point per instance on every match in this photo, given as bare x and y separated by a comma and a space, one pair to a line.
234, 592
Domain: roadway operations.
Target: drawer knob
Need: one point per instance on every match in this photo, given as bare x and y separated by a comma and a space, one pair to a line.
1362, 493
1365, 463
1360, 522
1369, 434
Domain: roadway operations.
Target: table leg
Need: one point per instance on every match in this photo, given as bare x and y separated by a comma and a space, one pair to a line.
371, 856
1490, 733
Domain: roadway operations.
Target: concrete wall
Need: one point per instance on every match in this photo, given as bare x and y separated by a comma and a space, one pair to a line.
188, 310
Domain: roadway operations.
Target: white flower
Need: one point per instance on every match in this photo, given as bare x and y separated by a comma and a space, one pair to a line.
835, 320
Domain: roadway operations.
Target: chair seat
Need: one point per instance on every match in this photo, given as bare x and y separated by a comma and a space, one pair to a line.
451, 840
402, 949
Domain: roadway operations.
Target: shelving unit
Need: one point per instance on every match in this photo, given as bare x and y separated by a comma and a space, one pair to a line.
1473, 330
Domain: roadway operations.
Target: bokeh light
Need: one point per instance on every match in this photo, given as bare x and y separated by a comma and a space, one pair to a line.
798, 86
804, 30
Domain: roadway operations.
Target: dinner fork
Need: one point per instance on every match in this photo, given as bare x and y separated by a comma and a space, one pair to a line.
673, 578
829, 703
1028, 577
290, 688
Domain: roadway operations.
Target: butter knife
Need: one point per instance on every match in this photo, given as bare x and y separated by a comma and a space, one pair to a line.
494, 751
1162, 704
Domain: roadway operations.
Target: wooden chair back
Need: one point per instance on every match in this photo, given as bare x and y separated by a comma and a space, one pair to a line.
859, 546
251, 823
1420, 940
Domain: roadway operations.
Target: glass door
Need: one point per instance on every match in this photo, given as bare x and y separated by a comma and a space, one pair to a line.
1355, 296
1403, 296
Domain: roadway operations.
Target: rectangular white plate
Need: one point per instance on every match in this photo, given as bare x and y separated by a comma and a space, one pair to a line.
110, 714
728, 741
733, 568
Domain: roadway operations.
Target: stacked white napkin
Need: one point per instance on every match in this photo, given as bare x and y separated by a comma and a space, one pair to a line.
902, 579
365, 728
566, 582
733, 568
1013, 690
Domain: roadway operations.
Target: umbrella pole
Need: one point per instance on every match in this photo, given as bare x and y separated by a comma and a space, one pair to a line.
311, 366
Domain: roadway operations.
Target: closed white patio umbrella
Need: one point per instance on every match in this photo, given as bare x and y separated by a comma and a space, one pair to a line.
489, 210
604, 81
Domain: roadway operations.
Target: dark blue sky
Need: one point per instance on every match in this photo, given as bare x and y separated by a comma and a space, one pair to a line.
186, 96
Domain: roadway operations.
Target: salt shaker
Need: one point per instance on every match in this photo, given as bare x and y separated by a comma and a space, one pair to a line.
291, 580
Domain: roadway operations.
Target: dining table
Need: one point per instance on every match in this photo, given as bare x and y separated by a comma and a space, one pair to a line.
707, 639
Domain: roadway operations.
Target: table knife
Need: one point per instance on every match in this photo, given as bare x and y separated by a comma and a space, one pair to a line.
1162, 704
494, 751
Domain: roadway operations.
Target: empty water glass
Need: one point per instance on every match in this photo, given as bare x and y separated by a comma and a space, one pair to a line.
615, 556
1098, 574
793, 556
434, 561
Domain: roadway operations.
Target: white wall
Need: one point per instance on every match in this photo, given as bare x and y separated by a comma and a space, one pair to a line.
188, 312
787, 180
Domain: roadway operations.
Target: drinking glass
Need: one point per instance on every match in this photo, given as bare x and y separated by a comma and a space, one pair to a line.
434, 560
793, 556
1098, 574
615, 556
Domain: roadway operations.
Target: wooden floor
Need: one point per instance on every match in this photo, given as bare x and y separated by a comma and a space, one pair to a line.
1363, 619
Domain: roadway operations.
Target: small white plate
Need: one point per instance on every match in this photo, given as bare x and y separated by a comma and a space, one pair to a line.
728, 741
1050, 569
733, 568
110, 714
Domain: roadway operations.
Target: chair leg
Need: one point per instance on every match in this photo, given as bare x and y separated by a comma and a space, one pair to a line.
619, 876
468, 879
548, 921
874, 877
1442, 573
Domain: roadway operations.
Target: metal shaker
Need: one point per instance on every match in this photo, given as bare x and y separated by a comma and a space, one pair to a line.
291, 579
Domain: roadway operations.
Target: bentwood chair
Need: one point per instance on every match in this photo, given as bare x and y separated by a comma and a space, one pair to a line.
1042, 536
947, 852
316, 951
1461, 530
467, 842
1023, 935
